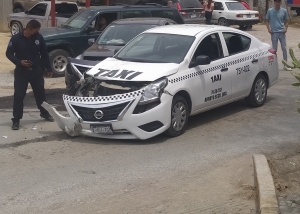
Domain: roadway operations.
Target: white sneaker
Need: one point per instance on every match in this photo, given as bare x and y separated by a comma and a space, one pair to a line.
287, 68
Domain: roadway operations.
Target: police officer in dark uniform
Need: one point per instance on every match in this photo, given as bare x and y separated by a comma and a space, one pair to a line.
27, 50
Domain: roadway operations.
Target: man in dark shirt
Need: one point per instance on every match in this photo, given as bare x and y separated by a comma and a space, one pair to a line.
27, 50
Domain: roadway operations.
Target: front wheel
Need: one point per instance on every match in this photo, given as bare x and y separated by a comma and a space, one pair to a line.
179, 117
223, 22
258, 94
16, 27
59, 61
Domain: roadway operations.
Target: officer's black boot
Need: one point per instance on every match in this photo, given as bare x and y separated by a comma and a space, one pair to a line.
15, 125
47, 117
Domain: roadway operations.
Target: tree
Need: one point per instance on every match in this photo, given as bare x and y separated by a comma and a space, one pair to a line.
296, 64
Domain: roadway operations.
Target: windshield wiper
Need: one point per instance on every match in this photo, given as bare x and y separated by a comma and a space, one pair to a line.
66, 26
137, 60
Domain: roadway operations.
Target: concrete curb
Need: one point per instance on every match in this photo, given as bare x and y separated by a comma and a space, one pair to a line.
267, 199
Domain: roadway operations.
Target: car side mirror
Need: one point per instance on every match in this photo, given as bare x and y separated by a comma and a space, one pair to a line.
89, 29
200, 60
91, 41
26, 12
116, 50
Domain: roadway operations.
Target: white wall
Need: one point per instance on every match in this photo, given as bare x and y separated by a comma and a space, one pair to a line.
5, 10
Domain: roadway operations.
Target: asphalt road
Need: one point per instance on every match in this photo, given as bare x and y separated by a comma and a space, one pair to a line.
206, 170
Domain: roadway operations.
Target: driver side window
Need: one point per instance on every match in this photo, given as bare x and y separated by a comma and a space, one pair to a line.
218, 6
210, 46
38, 10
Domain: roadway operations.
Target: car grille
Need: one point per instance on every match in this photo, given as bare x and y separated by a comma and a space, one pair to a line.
82, 69
109, 112
94, 58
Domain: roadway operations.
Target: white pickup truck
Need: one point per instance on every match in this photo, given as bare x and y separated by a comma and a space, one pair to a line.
42, 13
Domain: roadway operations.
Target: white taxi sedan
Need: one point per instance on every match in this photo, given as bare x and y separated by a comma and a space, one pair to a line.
163, 76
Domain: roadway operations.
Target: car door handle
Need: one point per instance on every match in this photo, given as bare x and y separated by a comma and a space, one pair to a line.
224, 69
220, 12
254, 60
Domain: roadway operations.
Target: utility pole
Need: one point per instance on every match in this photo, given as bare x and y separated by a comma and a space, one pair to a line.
52, 13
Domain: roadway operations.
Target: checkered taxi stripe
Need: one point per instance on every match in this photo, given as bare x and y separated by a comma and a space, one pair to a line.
218, 67
98, 99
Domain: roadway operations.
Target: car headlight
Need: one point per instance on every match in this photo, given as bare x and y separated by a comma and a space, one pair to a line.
153, 91
79, 57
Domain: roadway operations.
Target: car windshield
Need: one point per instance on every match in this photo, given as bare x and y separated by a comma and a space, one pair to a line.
78, 20
121, 34
156, 48
235, 6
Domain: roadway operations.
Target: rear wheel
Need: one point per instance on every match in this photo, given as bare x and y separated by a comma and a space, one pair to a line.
16, 27
243, 27
298, 11
258, 94
59, 61
223, 22
179, 117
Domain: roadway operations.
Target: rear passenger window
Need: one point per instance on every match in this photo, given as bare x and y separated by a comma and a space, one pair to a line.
170, 14
65, 10
236, 43
38, 10
133, 14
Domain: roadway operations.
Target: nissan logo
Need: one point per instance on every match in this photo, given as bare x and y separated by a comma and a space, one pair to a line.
98, 114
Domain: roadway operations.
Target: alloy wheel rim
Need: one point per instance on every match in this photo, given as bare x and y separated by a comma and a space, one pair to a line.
15, 29
260, 91
178, 116
60, 63
223, 22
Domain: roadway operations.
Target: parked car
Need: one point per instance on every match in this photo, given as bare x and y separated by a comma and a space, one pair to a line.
71, 39
23, 5
190, 10
41, 12
163, 76
295, 5
113, 38
227, 12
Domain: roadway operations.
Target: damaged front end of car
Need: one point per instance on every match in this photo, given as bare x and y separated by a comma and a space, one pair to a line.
99, 108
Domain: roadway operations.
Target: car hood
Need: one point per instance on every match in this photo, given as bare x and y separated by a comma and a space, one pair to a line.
100, 51
56, 32
17, 15
114, 69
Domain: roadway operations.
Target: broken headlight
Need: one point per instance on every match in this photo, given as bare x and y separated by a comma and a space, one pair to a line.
153, 91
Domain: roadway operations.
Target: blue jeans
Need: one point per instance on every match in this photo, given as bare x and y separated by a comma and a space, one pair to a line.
282, 38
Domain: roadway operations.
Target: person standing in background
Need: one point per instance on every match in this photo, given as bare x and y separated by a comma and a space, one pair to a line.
277, 22
208, 10
27, 50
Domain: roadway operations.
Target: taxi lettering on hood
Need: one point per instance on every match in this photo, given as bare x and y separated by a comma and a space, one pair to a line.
121, 74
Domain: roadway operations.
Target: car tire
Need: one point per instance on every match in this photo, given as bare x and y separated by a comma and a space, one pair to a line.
223, 22
258, 94
59, 61
243, 27
16, 27
18, 10
298, 11
179, 113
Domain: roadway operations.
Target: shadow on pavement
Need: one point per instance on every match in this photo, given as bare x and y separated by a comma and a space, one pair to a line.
53, 96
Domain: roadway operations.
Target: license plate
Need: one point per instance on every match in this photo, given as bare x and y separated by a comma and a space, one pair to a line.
248, 16
102, 129
193, 16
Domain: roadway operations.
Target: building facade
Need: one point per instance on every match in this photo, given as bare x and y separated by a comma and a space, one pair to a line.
5, 10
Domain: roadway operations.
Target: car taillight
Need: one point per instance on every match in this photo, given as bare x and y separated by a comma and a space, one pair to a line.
257, 15
272, 51
179, 9
239, 15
